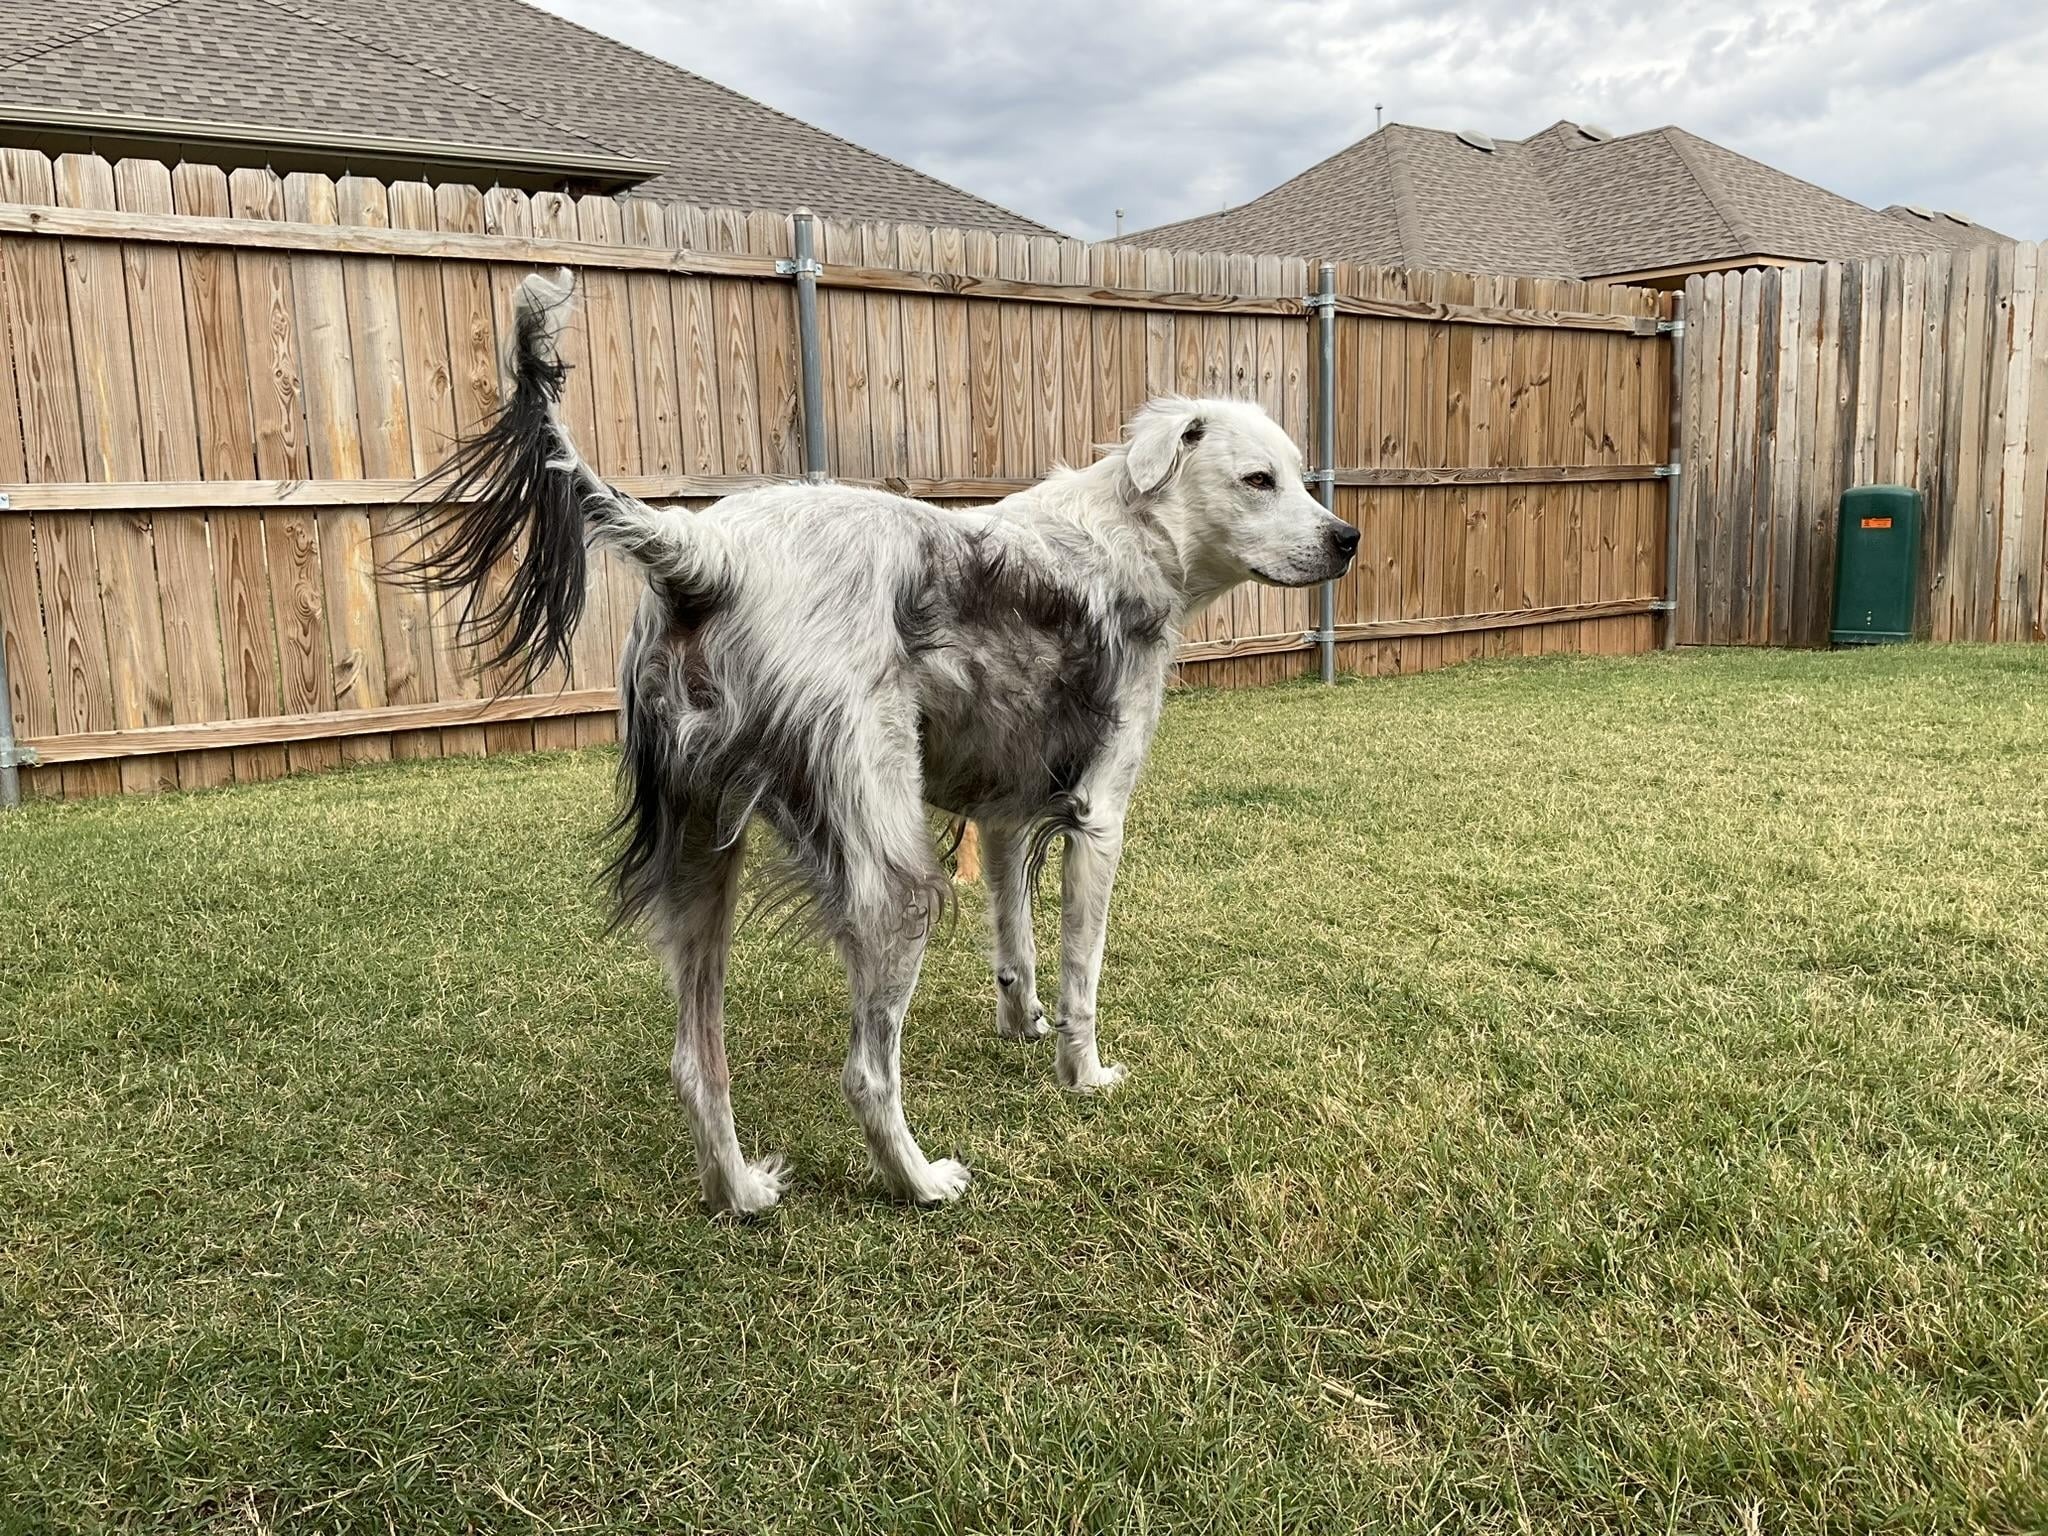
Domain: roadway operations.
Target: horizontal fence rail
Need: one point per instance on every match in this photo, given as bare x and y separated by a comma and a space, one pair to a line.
221, 391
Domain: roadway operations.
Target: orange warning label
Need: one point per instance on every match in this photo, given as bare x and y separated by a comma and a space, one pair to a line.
1877, 522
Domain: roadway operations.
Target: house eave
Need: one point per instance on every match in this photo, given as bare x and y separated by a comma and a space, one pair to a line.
116, 134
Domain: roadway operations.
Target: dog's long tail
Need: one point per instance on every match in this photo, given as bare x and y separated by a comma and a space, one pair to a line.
519, 493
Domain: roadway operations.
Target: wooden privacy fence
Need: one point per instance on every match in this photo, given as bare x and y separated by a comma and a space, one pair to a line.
1927, 371
219, 391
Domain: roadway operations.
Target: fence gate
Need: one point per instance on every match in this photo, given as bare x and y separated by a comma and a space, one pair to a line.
1504, 444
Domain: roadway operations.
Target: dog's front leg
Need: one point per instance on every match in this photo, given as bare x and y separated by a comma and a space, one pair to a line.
1019, 1015
1090, 874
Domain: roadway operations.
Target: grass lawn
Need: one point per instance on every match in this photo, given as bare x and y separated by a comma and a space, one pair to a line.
1566, 1095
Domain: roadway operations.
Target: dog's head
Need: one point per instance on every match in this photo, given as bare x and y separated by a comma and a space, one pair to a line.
1231, 481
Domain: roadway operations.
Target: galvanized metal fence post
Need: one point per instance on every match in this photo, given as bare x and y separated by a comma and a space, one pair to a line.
1674, 473
809, 357
12, 755
1325, 304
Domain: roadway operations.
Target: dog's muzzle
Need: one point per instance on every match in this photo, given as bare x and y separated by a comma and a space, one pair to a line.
1344, 546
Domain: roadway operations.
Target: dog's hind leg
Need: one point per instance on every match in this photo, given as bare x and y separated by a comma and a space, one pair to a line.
883, 971
1006, 864
694, 931
885, 908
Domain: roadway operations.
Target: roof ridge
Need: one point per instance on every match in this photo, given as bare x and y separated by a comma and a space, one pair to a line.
60, 40
1406, 218
523, 110
1710, 188
787, 117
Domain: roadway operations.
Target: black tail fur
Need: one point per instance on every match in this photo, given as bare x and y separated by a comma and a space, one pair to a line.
512, 495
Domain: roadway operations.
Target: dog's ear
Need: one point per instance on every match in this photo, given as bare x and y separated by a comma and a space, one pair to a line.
1158, 437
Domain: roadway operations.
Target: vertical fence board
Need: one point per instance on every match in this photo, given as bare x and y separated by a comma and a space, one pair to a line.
2029, 620
739, 414
911, 249
194, 669
32, 379
2011, 588
699, 367
334, 441
953, 349
777, 387
883, 313
121, 560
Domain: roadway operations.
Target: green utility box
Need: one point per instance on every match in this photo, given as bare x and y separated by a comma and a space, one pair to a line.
1877, 558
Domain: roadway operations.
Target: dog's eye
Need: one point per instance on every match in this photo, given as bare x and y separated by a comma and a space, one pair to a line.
1260, 481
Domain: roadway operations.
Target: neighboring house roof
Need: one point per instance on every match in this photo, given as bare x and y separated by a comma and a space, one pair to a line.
491, 82
1567, 202
1950, 228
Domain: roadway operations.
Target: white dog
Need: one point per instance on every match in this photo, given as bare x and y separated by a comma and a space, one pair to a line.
833, 660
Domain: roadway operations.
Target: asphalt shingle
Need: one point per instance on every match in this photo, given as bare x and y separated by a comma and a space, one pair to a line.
1563, 203
497, 74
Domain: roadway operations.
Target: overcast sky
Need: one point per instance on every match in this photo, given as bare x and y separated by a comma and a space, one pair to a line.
1067, 109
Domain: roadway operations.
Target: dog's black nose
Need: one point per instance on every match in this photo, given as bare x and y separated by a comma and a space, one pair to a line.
1346, 539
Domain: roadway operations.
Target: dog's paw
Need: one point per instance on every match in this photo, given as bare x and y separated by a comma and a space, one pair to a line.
1096, 1079
935, 1184
1022, 1024
757, 1188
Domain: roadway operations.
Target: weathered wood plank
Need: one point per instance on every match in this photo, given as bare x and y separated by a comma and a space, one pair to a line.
1770, 326
2011, 612
607, 322
335, 446
698, 364
224, 387
2029, 618
911, 245
1497, 474
775, 344
121, 558
452, 245
953, 346
842, 321
888, 409
145, 495
1782, 517
732, 307
38, 440
194, 671
473, 379
1077, 362
657, 386
1047, 399
325, 726
378, 314
1013, 260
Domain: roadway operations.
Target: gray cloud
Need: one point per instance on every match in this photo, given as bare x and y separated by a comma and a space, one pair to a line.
1066, 110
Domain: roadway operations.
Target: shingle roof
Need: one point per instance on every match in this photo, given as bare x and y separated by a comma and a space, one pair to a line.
1567, 202
494, 73
1949, 228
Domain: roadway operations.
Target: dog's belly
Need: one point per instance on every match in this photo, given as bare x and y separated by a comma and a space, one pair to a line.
1003, 746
